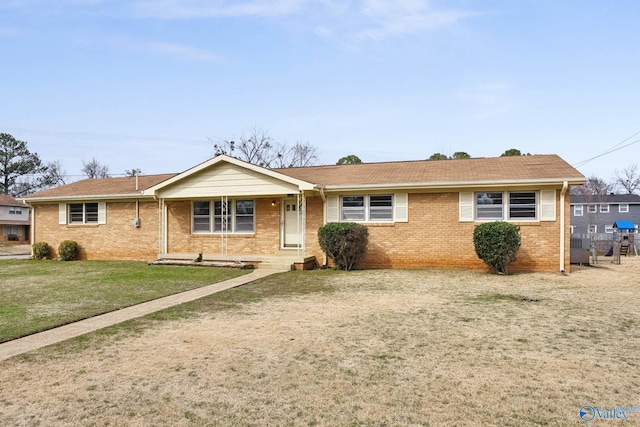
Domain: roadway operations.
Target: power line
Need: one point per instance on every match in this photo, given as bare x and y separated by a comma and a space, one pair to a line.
615, 148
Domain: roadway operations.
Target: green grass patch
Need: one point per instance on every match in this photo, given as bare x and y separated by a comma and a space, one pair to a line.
40, 295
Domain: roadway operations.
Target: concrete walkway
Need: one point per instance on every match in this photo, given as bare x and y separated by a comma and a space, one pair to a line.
53, 336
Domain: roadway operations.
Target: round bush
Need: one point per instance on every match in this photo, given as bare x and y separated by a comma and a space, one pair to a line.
41, 250
497, 244
68, 250
344, 242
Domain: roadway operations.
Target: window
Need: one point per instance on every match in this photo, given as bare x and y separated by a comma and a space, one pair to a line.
592, 208
15, 210
604, 208
489, 206
578, 210
353, 208
592, 229
244, 216
201, 217
623, 208
367, 208
83, 213
231, 216
381, 208
222, 216
608, 229
522, 205
572, 229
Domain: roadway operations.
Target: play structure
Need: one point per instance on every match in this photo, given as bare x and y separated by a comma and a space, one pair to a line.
624, 233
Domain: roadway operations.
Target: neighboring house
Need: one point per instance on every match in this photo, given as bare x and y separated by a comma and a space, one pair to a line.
597, 214
14, 220
419, 213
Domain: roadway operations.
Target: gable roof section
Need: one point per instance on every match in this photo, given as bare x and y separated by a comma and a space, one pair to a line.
99, 188
511, 170
7, 200
224, 175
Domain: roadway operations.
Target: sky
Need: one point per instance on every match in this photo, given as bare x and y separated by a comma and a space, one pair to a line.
153, 84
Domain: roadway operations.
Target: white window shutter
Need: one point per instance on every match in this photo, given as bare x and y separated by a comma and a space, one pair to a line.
62, 213
333, 209
102, 212
466, 207
401, 207
548, 205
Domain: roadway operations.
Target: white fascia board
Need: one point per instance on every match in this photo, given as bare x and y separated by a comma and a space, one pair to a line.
302, 185
451, 185
84, 198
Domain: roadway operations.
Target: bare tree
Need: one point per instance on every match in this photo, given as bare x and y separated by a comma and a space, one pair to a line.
298, 155
52, 175
628, 179
94, 169
259, 148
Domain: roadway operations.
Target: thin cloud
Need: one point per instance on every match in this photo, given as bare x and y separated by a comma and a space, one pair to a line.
186, 9
174, 50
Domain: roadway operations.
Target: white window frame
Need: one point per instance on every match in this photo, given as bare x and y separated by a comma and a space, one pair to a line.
367, 210
608, 228
214, 220
511, 206
604, 208
483, 201
592, 229
592, 208
572, 229
15, 210
578, 210
86, 216
623, 208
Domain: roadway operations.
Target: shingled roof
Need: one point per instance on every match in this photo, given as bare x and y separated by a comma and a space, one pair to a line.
417, 174
102, 187
539, 168
7, 200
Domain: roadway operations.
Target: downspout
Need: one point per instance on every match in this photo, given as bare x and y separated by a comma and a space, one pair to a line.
565, 186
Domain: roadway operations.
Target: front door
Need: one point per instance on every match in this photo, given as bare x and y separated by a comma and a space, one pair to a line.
291, 227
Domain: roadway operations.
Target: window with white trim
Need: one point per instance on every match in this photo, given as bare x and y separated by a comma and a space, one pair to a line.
578, 210
14, 210
623, 208
592, 229
592, 208
83, 213
604, 208
572, 229
378, 207
234, 216
522, 205
608, 228
489, 206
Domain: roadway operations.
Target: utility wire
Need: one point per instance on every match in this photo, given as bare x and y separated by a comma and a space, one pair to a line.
615, 148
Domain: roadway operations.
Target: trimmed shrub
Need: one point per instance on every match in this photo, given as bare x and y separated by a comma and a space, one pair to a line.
497, 244
344, 242
41, 250
68, 250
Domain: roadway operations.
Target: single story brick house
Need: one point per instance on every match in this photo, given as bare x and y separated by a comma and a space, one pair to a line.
419, 213
14, 220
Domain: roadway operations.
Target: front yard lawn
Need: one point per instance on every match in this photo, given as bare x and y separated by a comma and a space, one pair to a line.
39, 295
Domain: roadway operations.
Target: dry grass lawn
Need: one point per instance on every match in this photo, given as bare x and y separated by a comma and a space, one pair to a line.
368, 348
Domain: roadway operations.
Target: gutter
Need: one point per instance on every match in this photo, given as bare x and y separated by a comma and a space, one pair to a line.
565, 186
452, 185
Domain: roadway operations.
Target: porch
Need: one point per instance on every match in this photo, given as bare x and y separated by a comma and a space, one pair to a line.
283, 260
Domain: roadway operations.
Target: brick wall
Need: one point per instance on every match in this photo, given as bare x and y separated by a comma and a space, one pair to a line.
435, 238
117, 239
